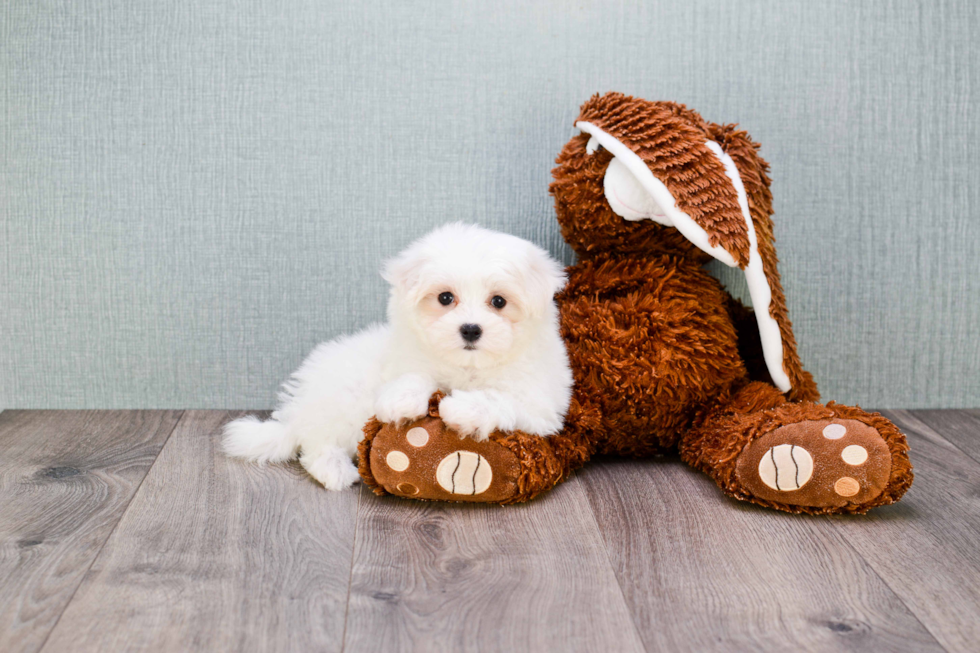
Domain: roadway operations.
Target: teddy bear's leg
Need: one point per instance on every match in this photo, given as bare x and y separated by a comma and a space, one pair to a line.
799, 457
425, 459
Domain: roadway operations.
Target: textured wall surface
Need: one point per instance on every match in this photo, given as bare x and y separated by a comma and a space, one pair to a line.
192, 194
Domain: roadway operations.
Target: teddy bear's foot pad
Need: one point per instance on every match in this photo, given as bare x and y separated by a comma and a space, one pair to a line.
426, 460
817, 463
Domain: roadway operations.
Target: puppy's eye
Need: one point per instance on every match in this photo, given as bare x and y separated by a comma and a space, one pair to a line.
446, 298
498, 302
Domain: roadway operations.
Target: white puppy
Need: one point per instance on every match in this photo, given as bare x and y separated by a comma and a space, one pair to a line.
471, 313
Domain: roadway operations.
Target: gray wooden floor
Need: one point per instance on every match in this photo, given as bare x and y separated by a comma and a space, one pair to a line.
127, 530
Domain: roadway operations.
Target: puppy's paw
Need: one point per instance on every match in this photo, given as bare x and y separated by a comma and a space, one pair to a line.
468, 414
333, 468
404, 399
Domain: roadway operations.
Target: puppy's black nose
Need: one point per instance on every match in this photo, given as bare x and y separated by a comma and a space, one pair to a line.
471, 332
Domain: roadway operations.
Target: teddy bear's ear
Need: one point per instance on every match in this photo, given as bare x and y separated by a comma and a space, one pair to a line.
669, 166
742, 155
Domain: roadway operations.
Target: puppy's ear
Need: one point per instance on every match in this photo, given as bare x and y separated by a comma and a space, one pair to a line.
543, 277
404, 272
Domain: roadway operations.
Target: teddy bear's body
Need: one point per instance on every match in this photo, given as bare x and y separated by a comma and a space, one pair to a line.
663, 357
651, 344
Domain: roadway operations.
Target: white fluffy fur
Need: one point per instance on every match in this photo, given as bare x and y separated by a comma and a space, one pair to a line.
516, 376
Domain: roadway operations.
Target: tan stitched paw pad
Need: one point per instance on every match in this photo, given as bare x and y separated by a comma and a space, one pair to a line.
817, 463
427, 460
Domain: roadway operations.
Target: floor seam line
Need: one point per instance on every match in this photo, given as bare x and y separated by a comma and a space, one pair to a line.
929, 426
850, 545
350, 576
891, 589
605, 551
95, 558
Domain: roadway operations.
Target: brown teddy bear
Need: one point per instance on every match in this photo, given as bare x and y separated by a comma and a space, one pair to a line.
663, 357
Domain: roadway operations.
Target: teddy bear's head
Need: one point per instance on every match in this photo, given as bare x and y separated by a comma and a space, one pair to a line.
646, 176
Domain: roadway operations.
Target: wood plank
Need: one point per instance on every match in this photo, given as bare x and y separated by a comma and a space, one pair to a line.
66, 478
458, 577
702, 572
960, 427
218, 555
926, 546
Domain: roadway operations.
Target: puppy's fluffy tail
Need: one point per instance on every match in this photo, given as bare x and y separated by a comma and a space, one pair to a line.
258, 441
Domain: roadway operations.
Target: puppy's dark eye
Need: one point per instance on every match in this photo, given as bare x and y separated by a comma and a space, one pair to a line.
498, 302
446, 298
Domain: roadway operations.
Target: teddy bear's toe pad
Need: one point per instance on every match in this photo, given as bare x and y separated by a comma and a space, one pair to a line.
818, 463
427, 460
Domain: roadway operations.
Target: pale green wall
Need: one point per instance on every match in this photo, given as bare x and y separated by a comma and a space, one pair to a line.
195, 193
